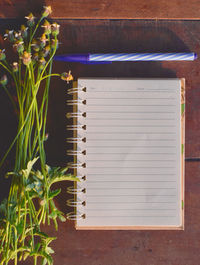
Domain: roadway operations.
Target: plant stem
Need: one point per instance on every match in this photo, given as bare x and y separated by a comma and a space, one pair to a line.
23, 218
3, 65
20, 128
33, 34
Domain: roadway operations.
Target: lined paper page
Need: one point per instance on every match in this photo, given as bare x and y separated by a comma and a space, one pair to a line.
133, 152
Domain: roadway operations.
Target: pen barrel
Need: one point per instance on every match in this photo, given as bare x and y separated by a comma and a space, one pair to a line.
142, 57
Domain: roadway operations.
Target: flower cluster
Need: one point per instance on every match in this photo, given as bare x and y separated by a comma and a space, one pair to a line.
26, 58
32, 48
30, 20
47, 11
66, 76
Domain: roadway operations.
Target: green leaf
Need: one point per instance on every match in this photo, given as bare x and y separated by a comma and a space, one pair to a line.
64, 170
29, 187
56, 213
20, 227
48, 169
49, 250
33, 194
38, 178
25, 250
38, 186
53, 193
53, 215
63, 178
44, 261
62, 218
41, 234
8, 174
39, 175
12, 254
28, 232
26, 254
30, 165
37, 246
48, 240
26, 172
43, 254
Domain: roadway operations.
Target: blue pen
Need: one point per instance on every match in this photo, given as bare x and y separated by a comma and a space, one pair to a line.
94, 58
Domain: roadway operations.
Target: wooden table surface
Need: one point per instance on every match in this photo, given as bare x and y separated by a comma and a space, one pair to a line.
122, 247
105, 9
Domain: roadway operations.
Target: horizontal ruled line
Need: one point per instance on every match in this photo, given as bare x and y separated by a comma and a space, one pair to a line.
156, 160
130, 126
125, 195
132, 174
130, 167
131, 209
91, 153
131, 91
131, 98
165, 146
133, 188
131, 112
132, 133
129, 202
139, 119
123, 105
131, 181
164, 140
110, 216
111, 139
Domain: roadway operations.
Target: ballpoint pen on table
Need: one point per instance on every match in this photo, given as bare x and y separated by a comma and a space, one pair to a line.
95, 58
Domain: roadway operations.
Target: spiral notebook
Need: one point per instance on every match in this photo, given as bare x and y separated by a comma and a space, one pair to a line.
128, 139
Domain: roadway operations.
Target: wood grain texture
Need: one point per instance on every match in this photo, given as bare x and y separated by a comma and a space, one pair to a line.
120, 247
105, 9
137, 247
20, 8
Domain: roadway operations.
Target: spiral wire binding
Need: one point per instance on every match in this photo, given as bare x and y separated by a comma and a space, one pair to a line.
75, 152
72, 190
76, 114
75, 140
76, 165
75, 216
77, 128
74, 90
76, 102
73, 203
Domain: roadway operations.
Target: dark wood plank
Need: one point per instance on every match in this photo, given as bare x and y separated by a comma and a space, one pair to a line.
105, 9
121, 247
126, 9
136, 247
20, 8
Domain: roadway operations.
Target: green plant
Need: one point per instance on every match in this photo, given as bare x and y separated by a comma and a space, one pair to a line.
31, 199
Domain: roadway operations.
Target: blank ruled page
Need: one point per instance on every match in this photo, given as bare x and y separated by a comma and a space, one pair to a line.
133, 153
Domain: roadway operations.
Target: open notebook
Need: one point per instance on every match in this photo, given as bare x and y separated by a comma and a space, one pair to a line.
128, 153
